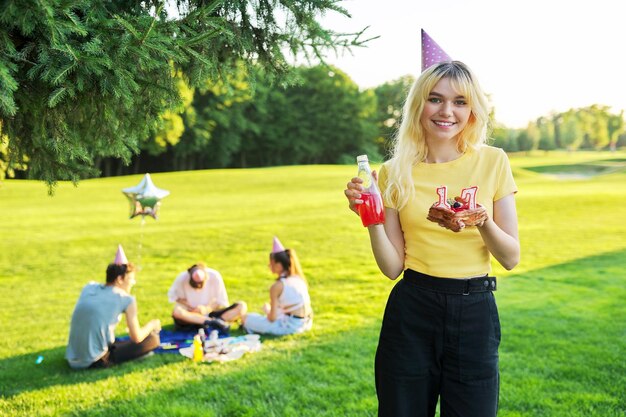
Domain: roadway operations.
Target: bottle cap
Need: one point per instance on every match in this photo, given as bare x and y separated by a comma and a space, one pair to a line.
362, 158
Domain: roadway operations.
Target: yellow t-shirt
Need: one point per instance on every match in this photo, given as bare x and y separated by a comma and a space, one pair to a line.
434, 250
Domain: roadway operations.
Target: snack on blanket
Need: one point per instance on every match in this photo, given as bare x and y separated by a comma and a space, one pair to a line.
455, 214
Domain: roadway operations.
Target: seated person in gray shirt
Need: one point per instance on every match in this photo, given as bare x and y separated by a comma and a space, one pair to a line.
96, 314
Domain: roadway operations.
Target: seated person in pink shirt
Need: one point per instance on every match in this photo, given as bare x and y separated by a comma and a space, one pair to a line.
200, 300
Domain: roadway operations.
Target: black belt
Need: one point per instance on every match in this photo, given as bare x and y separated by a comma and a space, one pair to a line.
293, 315
463, 286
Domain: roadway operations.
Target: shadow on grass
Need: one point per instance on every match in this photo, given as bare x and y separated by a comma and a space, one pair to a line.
332, 377
318, 374
562, 354
581, 170
54, 370
564, 339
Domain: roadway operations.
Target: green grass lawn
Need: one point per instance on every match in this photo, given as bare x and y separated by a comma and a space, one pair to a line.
562, 309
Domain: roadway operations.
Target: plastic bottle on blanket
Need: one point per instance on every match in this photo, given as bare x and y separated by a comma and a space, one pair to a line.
212, 341
198, 351
202, 335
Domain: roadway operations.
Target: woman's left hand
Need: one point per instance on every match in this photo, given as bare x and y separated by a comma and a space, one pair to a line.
267, 308
445, 218
456, 221
475, 217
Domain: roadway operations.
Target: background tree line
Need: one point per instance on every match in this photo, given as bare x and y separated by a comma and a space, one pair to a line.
326, 119
592, 127
251, 121
95, 87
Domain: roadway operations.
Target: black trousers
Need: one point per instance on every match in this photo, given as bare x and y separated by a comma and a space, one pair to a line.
439, 340
183, 326
127, 350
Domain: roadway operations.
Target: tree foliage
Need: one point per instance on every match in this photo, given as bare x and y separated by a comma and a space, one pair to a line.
87, 86
215, 124
571, 133
592, 127
616, 127
390, 97
86, 79
505, 138
331, 120
546, 130
322, 118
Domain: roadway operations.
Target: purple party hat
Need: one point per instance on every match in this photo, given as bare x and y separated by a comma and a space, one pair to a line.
277, 246
431, 52
120, 256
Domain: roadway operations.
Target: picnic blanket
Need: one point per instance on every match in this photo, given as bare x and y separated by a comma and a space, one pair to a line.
172, 340
227, 348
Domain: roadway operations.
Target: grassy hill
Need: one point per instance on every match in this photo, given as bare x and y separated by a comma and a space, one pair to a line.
562, 309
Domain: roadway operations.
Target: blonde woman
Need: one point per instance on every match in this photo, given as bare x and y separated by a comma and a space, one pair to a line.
440, 332
289, 310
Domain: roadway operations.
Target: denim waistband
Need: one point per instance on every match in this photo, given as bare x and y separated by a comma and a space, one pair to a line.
463, 286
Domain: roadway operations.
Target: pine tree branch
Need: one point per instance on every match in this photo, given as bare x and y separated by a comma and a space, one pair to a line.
158, 12
18, 58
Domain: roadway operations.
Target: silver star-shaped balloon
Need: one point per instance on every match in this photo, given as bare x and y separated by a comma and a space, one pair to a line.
145, 198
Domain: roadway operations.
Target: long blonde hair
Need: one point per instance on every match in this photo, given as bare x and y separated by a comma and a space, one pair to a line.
410, 148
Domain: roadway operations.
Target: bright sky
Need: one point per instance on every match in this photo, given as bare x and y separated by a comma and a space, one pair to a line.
531, 56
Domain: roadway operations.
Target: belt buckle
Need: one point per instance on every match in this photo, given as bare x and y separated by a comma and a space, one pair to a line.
466, 290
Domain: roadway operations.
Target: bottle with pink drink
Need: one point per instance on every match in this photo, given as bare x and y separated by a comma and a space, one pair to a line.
372, 210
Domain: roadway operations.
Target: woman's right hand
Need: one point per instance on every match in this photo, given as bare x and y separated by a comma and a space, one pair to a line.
353, 192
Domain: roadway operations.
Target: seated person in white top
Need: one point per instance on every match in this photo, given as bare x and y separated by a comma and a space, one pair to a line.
289, 310
200, 299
